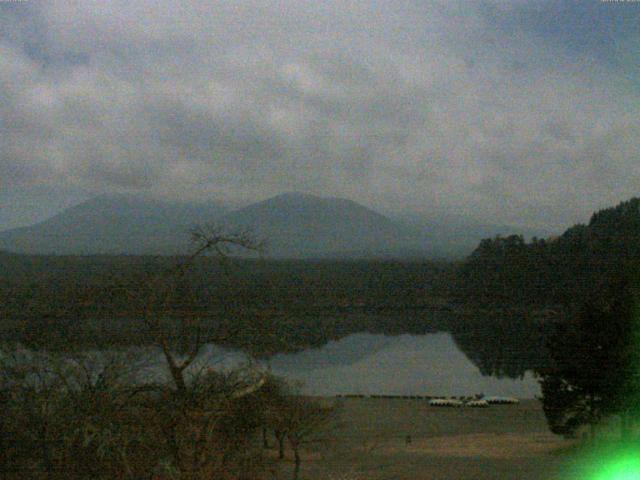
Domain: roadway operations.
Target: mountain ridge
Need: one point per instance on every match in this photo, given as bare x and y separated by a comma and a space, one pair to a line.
295, 224
301, 225
115, 224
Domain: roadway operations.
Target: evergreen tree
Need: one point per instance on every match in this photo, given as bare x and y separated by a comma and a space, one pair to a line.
596, 359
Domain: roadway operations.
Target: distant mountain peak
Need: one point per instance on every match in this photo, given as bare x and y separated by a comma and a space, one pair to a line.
296, 224
302, 225
295, 197
296, 194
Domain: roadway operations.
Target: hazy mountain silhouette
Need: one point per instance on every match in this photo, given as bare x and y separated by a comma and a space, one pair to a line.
298, 225
114, 225
295, 225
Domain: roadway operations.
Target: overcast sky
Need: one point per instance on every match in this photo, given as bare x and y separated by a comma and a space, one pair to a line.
518, 112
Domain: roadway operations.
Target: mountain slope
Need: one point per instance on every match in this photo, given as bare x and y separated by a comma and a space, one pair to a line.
113, 225
298, 225
295, 225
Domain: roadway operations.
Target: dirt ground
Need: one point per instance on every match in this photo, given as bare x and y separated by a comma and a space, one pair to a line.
407, 439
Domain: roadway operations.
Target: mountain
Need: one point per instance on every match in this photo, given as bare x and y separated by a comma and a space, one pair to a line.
119, 224
295, 225
298, 225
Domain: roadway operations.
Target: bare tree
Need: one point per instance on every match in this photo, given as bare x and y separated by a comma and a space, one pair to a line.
161, 291
301, 420
71, 416
32, 394
276, 394
309, 423
86, 415
193, 416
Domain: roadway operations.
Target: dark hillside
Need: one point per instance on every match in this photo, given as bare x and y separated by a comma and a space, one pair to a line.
558, 270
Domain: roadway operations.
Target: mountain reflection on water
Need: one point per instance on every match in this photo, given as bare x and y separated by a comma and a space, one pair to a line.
366, 363
362, 363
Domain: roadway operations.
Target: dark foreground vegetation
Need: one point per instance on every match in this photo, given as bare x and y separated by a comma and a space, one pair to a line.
101, 413
94, 416
566, 308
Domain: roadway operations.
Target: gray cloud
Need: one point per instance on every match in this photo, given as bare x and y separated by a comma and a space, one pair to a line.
449, 107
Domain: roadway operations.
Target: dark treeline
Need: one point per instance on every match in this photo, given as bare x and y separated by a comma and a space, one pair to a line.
55, 302
595, 356
584, 288
272, 306
518, 291
556, 271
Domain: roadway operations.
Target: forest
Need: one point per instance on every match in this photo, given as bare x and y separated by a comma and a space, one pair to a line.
556, 271
584, 285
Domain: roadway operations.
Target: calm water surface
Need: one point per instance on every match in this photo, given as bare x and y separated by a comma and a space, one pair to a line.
402, 365
363, 363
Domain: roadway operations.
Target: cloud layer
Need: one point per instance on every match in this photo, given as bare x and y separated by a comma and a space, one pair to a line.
521, 112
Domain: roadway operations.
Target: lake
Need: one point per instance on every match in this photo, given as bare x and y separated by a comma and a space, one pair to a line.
362, 363
400, 365
365, 363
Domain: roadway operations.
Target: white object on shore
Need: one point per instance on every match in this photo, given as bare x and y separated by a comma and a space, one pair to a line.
477, 403
501, 400
445, 402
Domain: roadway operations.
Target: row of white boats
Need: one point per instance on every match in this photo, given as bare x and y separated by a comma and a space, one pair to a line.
476, 401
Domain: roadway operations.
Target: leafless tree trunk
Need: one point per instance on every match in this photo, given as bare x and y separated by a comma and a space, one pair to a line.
297, 460
188, 429
163, 288
280, 436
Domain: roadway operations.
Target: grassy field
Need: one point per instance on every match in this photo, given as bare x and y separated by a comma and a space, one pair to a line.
499, 442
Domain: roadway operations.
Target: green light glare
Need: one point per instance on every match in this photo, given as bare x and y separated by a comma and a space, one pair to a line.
626, 467
613, 463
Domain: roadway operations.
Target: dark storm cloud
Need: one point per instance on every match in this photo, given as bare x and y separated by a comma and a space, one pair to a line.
483, 108
590, 29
